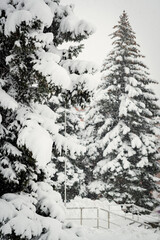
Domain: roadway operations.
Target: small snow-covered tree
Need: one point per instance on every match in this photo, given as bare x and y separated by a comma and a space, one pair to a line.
93, 120
70, 121
80, 73
30, 75
127, 129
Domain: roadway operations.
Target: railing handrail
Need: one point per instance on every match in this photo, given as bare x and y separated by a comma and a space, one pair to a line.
98, 218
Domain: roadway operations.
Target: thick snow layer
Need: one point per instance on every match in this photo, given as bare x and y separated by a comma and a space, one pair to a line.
7, 101
106, 124
149, 142
119, 58
7, 171
39, 215
15, 19
43, 38
128, 105
75, 26
79, 66
131, 233
44, 111
27, 11
133, 81
10, 149
34, 135
39, 131
87, 80
97, 187
6, 6
37, 140
7, 211
112, 141
112, 145
39, 9
47, 65
135, 141
19, 213
66, 144
133, 91
46, 117
2, 82
114, 134
87, 202
126, 70
51, 202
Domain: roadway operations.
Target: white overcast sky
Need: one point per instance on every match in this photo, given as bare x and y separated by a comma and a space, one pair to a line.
144, 17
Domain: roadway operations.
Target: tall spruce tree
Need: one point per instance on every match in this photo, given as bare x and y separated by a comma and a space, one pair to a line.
127, 129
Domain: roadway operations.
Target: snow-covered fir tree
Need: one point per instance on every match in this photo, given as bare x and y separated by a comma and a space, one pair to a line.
93, 120
68, 120
31, 73
126, 165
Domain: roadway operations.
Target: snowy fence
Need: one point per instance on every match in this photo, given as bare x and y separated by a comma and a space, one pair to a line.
106, 219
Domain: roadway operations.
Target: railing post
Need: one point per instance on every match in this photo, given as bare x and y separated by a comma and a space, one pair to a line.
97, 217
81, 215
132, 211
138, 213
108, 219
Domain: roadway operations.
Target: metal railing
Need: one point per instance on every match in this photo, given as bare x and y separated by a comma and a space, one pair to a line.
107, 219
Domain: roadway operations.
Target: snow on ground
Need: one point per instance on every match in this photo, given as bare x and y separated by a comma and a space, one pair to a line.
126, 233
122, 229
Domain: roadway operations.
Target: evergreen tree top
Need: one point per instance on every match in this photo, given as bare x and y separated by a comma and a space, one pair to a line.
125, 39
124, 27
126, 51
125, 85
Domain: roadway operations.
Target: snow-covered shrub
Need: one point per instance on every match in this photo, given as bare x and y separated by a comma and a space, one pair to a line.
39, 215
